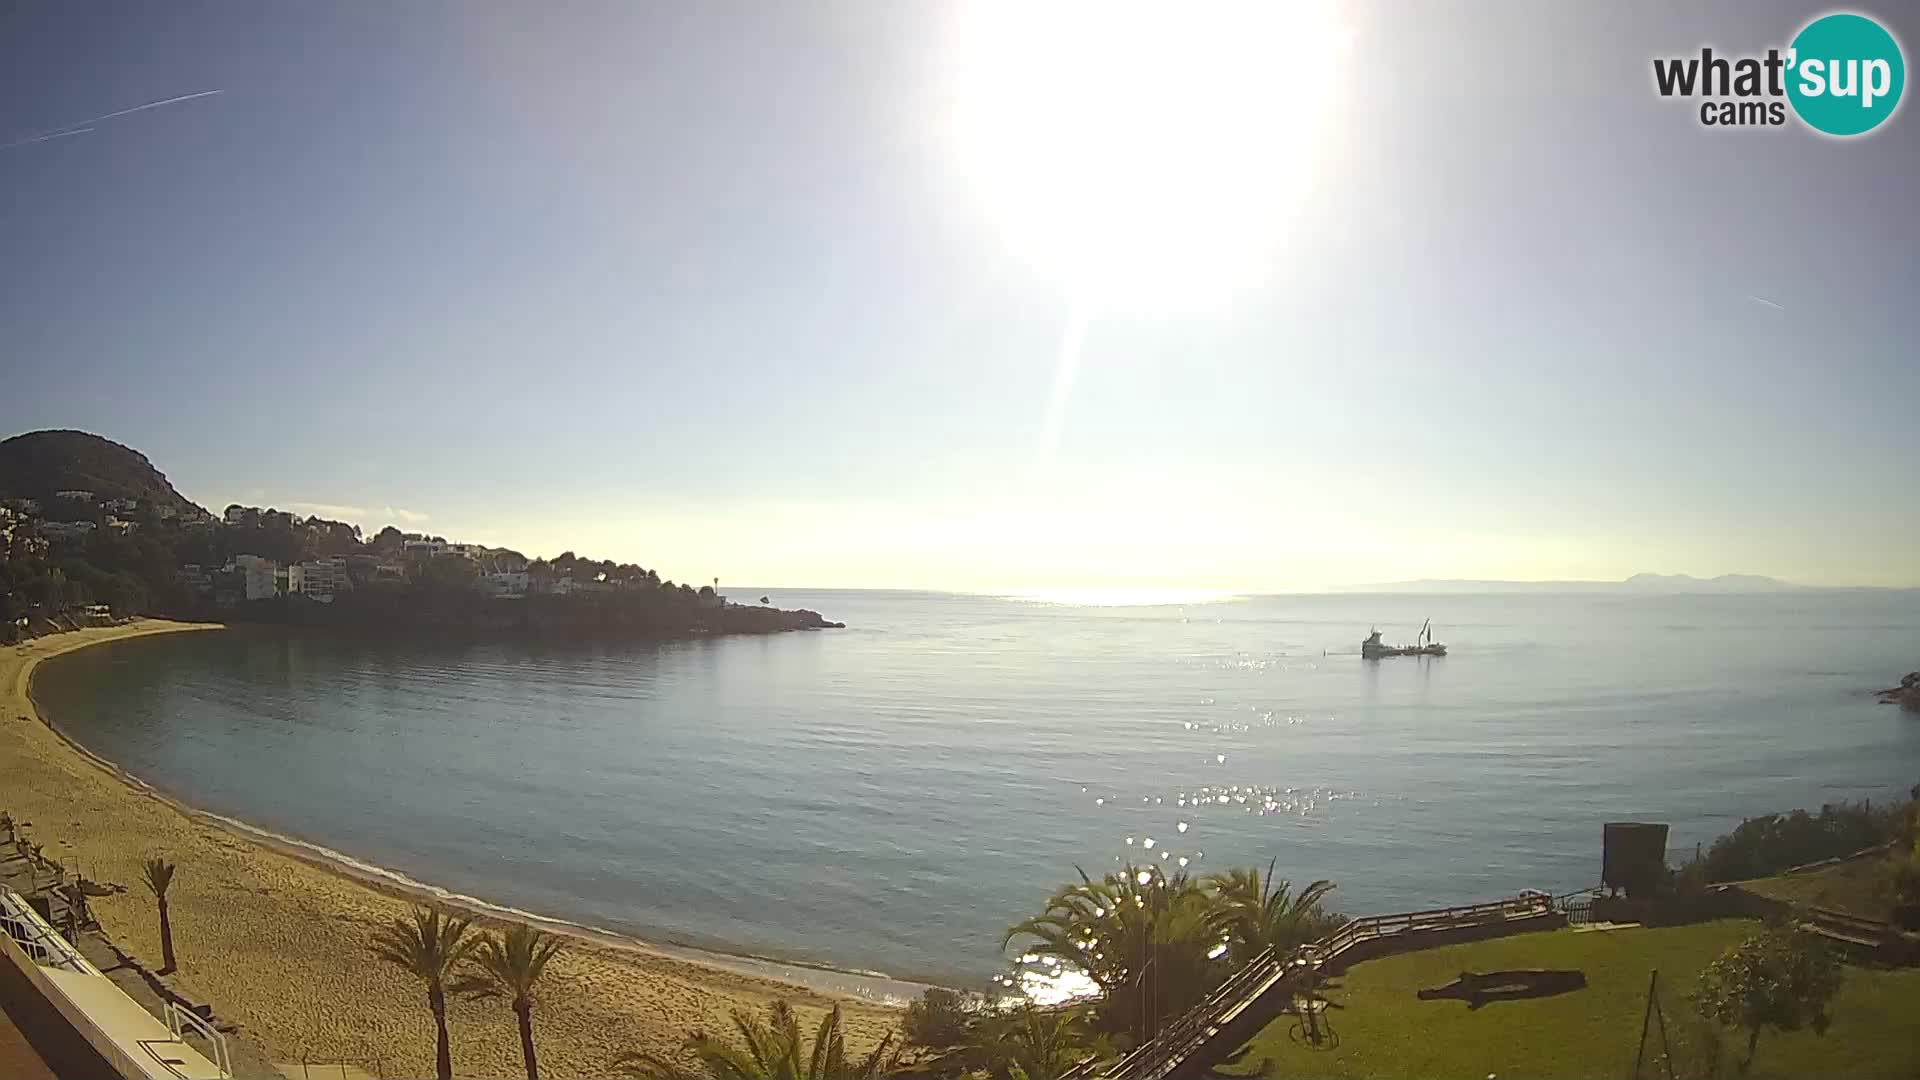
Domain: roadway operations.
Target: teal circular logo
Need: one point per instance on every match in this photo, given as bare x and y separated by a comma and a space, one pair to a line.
1845, 74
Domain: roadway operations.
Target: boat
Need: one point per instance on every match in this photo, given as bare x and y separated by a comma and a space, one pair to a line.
1424, 645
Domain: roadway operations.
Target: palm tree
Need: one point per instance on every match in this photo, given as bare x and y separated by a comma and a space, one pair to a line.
1147, 940
1034, 1043
1255, 913
510, 964
773, 1051
430, 946
158, 873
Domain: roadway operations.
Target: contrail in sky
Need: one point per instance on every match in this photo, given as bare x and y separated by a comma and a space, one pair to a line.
1764, 300
44, 138
154, 105
81, 128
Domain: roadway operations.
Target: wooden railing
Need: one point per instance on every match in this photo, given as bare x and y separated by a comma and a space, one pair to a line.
1193, 1030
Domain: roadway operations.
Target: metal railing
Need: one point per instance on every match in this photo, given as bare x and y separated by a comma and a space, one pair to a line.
181, 1020
38, 940
1177, 1041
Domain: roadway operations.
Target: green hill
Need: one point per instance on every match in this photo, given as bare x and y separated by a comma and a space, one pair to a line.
40, 463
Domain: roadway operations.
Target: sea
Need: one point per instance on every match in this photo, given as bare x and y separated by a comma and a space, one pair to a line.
891, 797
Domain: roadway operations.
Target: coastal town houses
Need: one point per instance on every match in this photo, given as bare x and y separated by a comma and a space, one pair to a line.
259, 577
321, 579
66, 530
503, 584
496, 573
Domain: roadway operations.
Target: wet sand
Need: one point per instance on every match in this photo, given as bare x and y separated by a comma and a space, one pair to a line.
276, 937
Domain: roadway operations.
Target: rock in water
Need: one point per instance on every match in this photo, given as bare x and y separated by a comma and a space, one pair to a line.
1906, 695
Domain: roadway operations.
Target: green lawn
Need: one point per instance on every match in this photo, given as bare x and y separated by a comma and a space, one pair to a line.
1857, 888
1385, 1031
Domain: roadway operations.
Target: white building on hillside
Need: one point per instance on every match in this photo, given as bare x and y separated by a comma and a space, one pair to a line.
260, 575
503, 583
322, 578
65, 530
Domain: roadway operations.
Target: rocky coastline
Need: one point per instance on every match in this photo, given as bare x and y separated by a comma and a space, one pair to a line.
1906, 695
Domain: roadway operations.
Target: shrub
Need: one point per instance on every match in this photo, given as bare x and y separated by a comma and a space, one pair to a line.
939, 1019
1772, 843
1319, 922
1689, 882
1698, 1046
1902, 882
1780, 979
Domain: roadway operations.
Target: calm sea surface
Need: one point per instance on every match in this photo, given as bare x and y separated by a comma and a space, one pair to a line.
891, 796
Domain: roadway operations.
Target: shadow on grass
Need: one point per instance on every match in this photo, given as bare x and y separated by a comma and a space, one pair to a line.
1479, 989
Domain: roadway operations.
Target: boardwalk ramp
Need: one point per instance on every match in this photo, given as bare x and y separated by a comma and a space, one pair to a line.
1259, 992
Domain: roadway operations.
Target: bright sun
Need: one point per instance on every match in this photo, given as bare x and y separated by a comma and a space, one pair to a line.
1145, 150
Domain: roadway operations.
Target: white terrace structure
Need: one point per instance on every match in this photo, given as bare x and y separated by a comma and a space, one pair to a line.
79, 1016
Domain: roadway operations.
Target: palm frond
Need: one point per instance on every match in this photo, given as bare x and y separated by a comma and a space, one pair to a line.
827, 1047
155, 871
511, 963
429, 944
769, 1048
650, 1066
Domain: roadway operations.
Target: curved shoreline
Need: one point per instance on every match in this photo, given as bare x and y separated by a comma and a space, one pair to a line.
646, 967
824, 978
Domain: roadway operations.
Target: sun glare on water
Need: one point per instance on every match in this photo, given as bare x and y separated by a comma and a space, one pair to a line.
1146, 151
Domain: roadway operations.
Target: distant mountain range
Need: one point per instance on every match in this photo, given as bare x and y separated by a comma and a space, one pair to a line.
1638, 583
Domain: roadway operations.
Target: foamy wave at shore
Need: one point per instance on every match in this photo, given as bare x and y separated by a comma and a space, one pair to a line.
816, 976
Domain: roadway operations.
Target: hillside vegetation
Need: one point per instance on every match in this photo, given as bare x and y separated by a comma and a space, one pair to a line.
41, 464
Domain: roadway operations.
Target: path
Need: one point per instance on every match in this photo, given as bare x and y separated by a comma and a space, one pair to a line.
1214, 1027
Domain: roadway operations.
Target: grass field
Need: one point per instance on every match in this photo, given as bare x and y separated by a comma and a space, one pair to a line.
1857, 888
1386, 1032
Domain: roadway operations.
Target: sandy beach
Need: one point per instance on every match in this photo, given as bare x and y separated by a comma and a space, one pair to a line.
277, 942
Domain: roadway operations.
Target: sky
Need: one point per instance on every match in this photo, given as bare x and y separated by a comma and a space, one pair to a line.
952, 296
